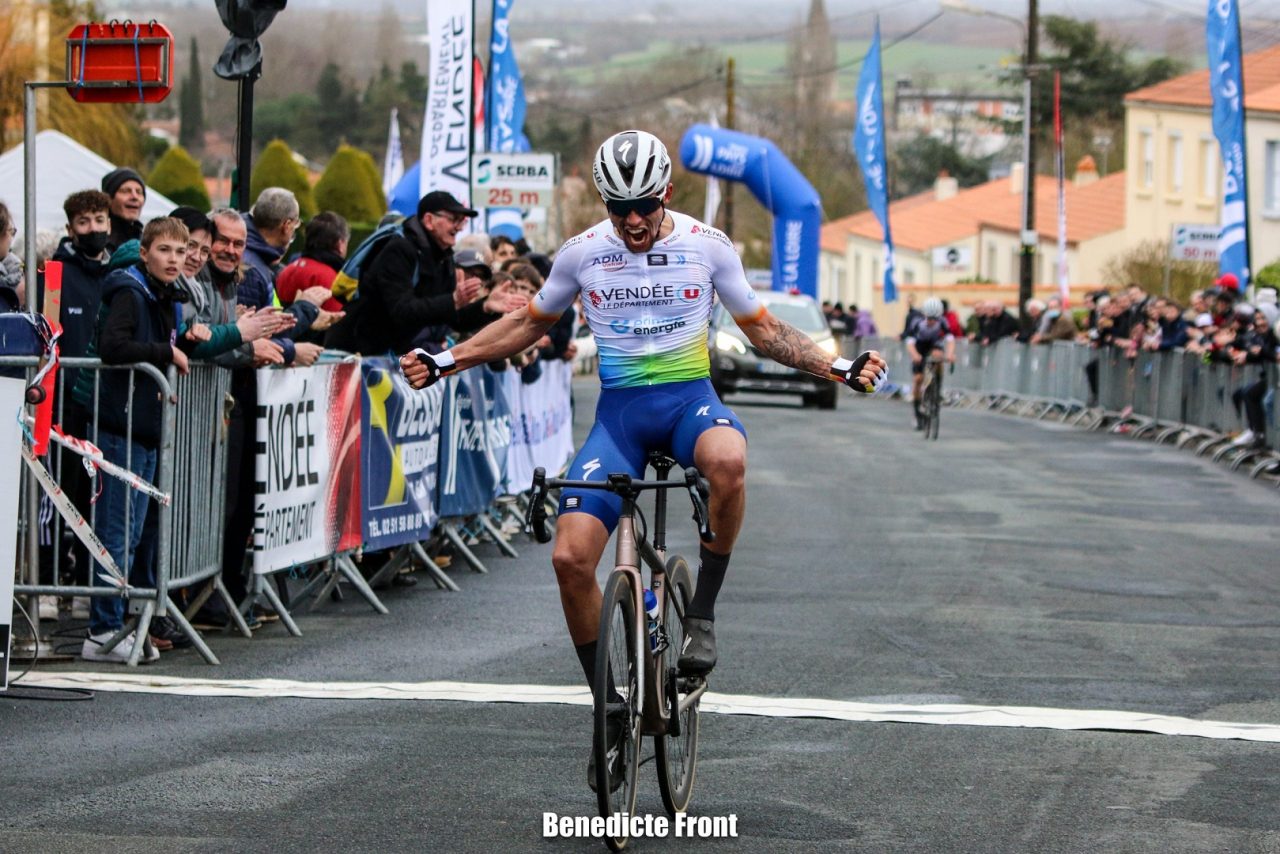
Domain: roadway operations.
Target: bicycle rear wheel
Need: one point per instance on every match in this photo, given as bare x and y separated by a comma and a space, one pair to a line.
677, 751
618, 663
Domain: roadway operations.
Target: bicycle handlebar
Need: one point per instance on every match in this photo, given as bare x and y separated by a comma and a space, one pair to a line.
620, 484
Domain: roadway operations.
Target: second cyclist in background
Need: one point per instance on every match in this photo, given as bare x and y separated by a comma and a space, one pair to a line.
929, 332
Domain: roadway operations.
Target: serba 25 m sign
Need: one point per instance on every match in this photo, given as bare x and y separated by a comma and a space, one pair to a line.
523, 180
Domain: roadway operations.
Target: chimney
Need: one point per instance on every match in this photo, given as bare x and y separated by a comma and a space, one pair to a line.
945, 186
1086, 171
1015, 178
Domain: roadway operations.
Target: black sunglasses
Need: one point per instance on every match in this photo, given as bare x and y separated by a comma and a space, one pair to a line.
623, 208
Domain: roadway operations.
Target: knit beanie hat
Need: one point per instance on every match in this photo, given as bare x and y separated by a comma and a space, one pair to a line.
115, 179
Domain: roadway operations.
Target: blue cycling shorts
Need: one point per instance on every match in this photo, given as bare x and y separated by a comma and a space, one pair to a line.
631, 422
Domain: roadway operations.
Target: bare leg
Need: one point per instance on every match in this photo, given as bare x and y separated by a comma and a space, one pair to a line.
721, 456
580, 541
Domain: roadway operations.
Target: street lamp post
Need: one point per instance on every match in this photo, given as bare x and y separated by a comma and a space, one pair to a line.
1028, 239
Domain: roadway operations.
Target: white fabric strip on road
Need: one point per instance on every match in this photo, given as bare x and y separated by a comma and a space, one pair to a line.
713, 703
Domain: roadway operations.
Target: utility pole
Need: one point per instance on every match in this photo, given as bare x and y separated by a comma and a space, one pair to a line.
728, 123
1026, 272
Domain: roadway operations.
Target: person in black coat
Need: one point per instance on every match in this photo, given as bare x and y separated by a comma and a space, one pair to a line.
127, 192
412, 283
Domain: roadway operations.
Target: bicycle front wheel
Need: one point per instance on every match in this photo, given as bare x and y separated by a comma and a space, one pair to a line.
617, 703
677, 751
934, 406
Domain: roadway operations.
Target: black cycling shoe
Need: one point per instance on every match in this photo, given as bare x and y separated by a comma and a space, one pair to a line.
615, 724
698, 655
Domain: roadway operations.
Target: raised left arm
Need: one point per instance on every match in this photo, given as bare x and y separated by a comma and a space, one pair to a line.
783, 343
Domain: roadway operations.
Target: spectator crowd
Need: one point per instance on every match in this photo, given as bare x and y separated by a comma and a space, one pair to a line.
223, 287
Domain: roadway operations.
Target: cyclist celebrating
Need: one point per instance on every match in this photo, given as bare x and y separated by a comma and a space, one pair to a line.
647, 277
929, 331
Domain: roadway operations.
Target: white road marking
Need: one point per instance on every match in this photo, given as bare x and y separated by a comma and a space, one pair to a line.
713, 703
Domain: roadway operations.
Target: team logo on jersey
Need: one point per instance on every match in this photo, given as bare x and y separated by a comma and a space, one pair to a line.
657, 260
690, 294
610, 263
619, 326
595, 298
693, 230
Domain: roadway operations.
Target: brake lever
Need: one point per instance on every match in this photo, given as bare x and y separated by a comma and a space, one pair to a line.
699, 491
535, 520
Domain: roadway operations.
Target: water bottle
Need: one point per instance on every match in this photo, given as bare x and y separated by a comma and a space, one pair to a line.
651, 618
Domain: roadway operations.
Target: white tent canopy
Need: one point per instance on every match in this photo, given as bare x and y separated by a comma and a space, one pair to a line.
63, 166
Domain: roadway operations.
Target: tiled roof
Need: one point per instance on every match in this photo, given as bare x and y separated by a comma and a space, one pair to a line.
1261, 85
921, 222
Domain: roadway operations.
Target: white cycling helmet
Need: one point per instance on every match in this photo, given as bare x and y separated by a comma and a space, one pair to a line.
631, 165
932, 307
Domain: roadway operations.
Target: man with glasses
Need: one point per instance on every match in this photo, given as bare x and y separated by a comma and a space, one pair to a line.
412, 290
647, 277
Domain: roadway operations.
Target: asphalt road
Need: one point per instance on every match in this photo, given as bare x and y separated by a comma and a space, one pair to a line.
1010, 563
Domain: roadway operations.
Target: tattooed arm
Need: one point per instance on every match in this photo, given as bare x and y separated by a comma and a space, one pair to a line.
783, 343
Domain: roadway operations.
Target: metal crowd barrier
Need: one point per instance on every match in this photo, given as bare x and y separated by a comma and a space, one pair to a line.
1167, 396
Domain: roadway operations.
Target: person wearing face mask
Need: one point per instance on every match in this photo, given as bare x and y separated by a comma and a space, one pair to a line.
126, 192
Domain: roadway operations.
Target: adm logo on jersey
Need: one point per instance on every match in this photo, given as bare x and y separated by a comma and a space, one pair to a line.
610, 263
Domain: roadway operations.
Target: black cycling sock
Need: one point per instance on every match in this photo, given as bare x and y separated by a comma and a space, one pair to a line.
587, 658
711, 570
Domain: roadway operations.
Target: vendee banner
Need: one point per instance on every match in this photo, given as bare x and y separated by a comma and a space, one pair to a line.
475, 435
307, 503
400, 446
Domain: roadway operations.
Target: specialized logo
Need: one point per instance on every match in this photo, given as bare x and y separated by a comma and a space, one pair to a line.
610, 263
656, 260
704, 410
624, 152
589, 467
690, 294
620, 326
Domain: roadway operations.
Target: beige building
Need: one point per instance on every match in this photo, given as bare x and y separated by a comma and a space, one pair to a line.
1174, 162
963, 245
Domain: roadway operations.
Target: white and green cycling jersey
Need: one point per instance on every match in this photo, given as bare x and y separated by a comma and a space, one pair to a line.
649, 311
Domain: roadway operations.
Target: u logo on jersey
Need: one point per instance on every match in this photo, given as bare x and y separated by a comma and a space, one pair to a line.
690, 293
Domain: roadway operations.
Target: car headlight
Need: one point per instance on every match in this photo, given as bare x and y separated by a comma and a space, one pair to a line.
828, 344
725, 341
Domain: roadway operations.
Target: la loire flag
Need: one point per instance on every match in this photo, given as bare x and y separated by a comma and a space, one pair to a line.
446, 125
1226, 83
868, 146
393, 163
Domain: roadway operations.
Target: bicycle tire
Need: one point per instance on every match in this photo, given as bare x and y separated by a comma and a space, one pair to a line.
618, 663
677, 755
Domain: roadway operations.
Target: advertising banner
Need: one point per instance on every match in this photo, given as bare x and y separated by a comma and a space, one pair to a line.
307, 496
475, 435
541, 424
446, 125
11, 400
400, 447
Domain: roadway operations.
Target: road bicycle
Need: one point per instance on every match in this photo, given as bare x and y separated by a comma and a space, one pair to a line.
636, 662
931, 397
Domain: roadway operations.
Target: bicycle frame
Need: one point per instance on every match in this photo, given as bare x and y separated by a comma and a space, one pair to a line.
630, 553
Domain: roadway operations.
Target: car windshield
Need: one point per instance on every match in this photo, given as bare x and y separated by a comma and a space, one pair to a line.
805, 316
